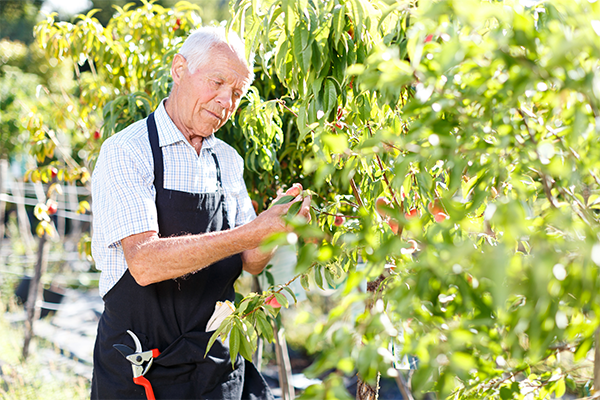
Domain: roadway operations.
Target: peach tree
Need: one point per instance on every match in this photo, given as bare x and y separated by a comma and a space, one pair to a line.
451, 149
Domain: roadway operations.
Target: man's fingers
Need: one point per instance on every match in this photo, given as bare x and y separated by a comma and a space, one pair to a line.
295, 190
305, 208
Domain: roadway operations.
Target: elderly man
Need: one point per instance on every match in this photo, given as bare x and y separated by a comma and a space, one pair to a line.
173, 229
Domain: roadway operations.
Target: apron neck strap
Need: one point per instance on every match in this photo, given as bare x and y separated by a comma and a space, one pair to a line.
214, 156
156, 152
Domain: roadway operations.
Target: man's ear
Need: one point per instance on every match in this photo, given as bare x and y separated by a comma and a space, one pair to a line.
178, 67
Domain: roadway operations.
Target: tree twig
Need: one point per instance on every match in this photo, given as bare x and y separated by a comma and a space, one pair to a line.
543, 176
356, 193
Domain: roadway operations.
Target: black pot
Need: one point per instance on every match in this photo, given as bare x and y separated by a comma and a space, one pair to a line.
53, 296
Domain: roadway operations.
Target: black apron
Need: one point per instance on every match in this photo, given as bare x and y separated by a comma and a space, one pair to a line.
171, 316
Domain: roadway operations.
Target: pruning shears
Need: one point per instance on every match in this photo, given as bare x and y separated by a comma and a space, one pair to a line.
141, 361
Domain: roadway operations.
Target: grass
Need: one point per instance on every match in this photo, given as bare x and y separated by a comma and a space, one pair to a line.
35, 378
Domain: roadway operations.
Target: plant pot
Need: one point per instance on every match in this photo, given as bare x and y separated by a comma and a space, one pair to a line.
52, 297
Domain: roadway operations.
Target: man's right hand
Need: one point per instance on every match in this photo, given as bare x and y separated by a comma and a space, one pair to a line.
271, 221
272, 217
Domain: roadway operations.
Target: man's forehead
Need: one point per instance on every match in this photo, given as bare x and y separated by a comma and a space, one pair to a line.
225, 61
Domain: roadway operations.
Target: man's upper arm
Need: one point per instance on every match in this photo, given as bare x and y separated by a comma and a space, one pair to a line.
123, 193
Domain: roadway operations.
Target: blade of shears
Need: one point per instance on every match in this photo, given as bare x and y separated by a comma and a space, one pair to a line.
138, 345
124, 350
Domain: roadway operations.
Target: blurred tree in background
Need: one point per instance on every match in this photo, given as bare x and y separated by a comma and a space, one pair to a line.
17, 19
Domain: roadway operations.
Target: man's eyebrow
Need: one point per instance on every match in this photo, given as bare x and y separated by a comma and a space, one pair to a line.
216, 75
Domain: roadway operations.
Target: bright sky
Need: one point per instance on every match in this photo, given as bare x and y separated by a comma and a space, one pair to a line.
66, 8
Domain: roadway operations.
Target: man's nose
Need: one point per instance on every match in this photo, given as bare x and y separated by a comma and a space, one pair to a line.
225, 99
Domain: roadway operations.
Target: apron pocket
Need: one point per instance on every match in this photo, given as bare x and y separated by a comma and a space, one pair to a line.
183, 364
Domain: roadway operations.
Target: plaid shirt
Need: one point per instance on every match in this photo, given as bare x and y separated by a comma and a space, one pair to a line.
123, 190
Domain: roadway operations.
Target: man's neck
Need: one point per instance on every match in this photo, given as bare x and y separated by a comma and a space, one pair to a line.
195, 141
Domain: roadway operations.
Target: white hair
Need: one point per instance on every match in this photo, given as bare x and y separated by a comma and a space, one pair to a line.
197, 47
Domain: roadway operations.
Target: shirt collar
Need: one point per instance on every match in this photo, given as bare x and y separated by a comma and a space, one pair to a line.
168, 133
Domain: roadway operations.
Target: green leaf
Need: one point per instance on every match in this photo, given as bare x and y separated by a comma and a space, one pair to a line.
294, 209
338, 22
246, 347
318, 276
281, 299
329, 276
291, 292
329, 97
265, 328
304, 282
223, 330
560, 388
234, 343
284, 200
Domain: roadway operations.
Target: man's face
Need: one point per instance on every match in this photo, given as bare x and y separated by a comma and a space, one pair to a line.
204, 100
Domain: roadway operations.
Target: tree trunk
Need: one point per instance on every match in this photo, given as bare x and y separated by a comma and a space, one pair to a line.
35, 289
364, 391
24, 226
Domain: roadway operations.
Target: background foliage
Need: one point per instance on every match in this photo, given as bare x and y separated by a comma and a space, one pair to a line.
476, 121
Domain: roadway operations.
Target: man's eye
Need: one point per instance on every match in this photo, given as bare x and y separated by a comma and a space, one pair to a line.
217, 83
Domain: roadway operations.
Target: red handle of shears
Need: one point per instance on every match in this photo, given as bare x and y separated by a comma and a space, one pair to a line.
140, 380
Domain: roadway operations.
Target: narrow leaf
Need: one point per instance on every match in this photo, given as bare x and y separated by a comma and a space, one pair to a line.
234, 344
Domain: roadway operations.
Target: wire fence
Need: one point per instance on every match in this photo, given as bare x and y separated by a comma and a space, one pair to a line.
17, 202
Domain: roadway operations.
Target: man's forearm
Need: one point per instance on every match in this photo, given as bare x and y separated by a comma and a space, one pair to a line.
255, 260
152, 259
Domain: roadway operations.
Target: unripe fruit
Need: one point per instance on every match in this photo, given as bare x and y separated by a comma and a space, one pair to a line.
440, 216
394, 226
52, 207
438, 212
412, 213
380, 205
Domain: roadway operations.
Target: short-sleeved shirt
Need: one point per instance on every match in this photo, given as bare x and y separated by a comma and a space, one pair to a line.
123, 193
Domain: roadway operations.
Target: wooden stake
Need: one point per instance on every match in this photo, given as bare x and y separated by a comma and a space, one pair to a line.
404, 387
3, 179
284, 365
597, 363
